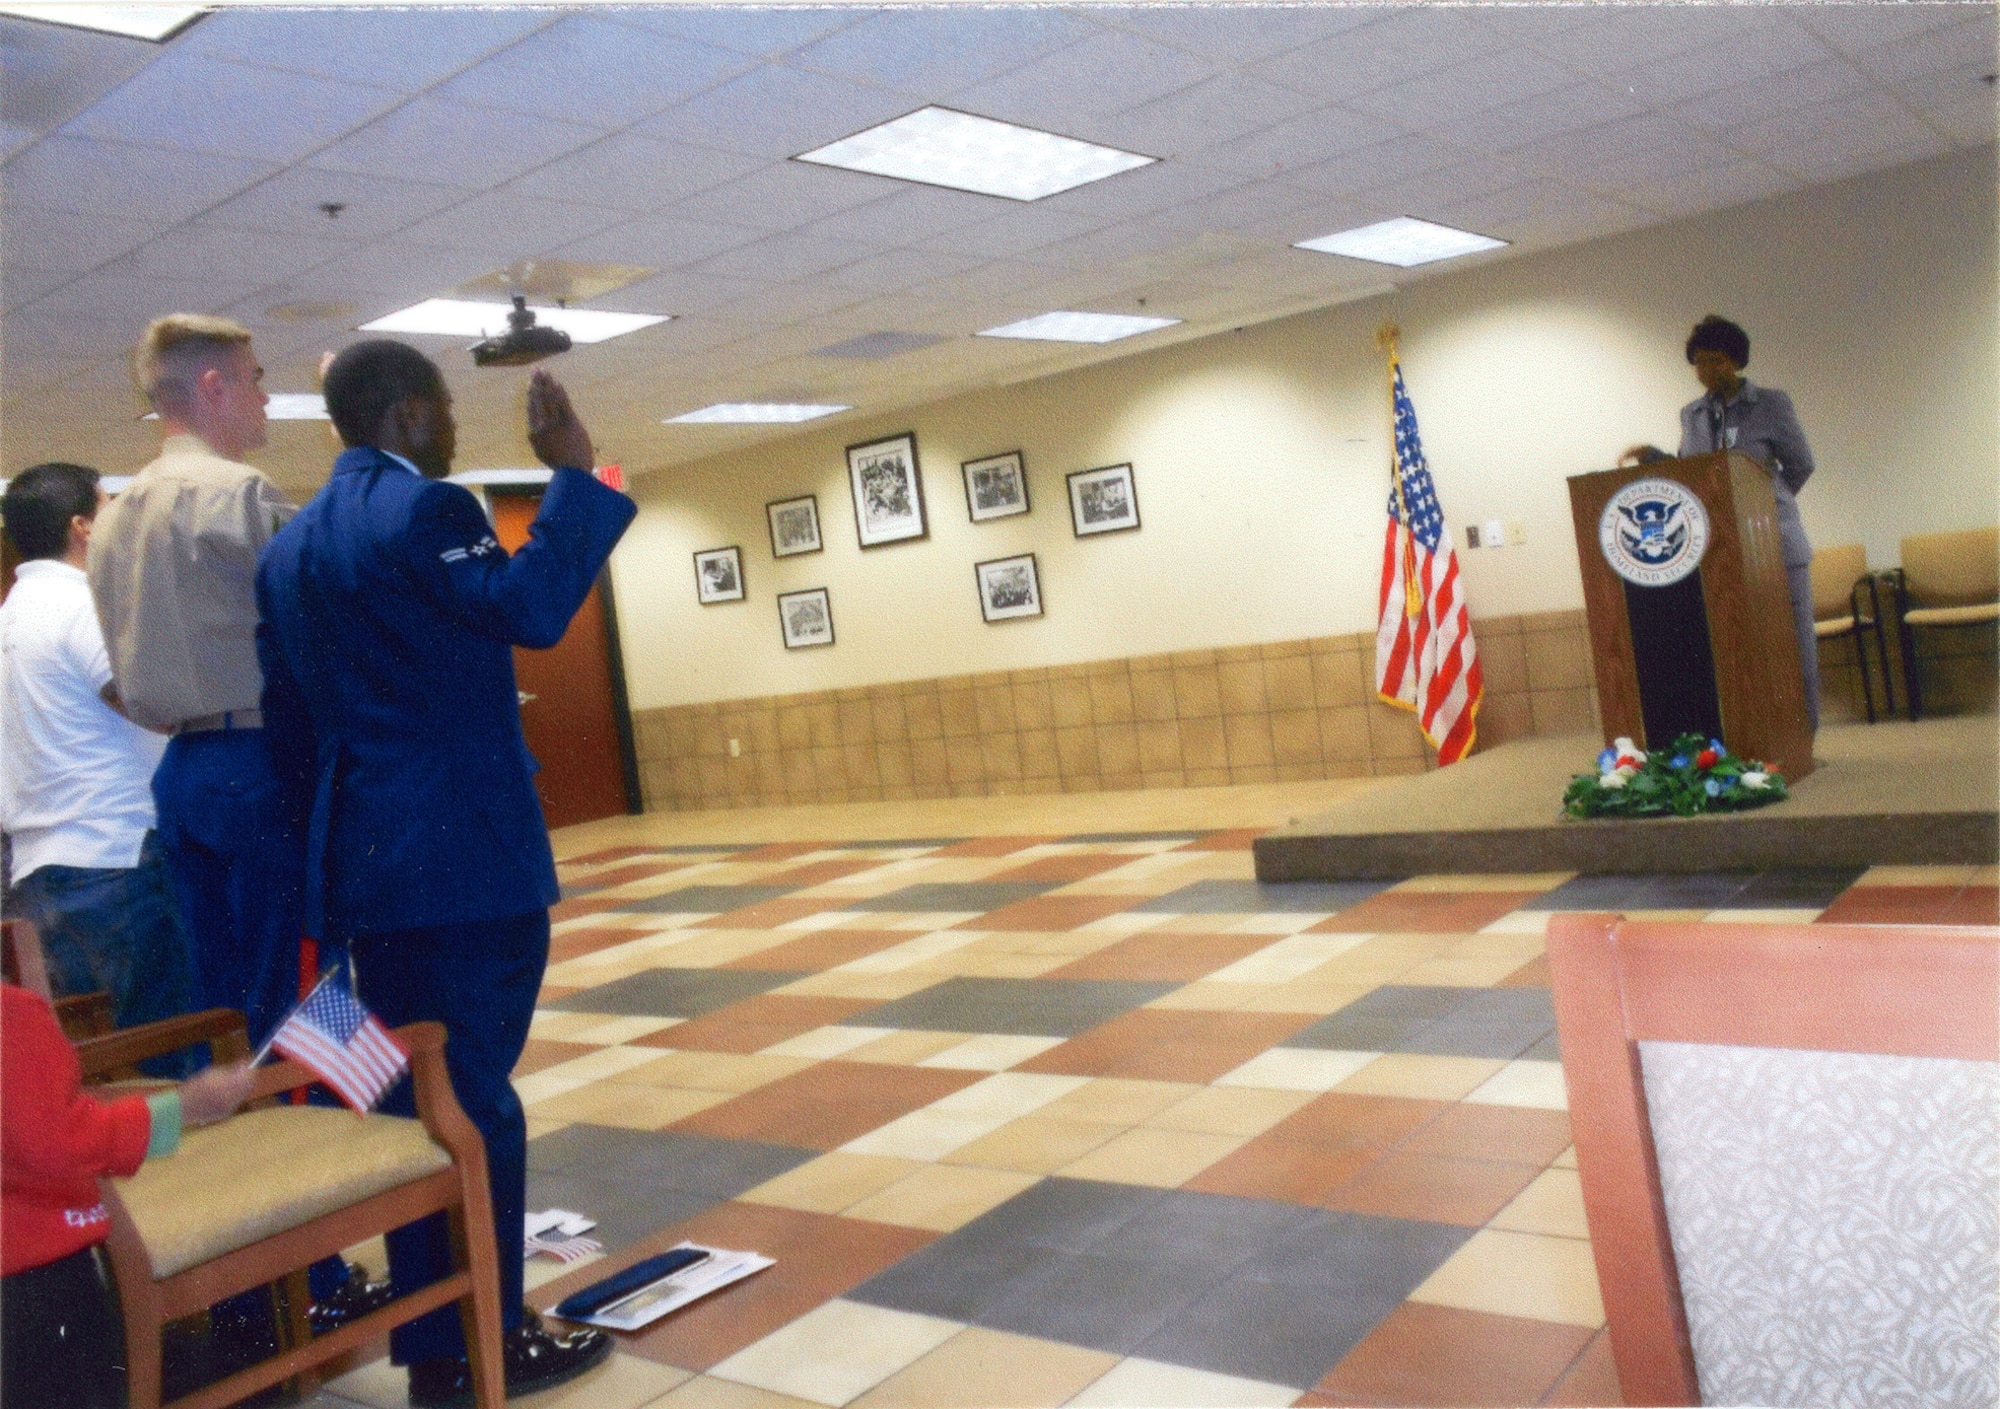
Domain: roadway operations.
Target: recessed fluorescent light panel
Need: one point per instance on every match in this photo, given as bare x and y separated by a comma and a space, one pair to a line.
154, 23
1079, 327
940, 147
1404, 241
753, 413
461, 318
284, 406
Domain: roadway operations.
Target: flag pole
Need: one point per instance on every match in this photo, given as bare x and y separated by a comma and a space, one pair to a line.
264, 1051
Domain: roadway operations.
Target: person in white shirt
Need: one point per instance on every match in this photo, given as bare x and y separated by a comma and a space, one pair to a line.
76, 799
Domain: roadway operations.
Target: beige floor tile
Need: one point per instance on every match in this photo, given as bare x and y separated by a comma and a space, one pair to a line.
837, 1351
1292, 957
906, 1047
841, 983
924, 1135
1451, 971
713, 1071
1917, 876
1984, 876
1213, 997
1006, 1095
982, 1369
990, 965
918, 950
1519, 922
1420, 1076
1552, 1204
714, 948
540, 1086
1124, 922
1220, 1110
990, 1052
1276, 922
941, 1197
613, 1031
1524, 1083
631, 1107
604, 1062
554, 1026
1161, 1159
1533, 882
1565, 1160
1519, 1274
831, 1183
1135, 1383
1112, 1100
540, 1125
1034, 1144
1297, 1069
1317, 992
707, 1392
1763, 917
824, 920
823, 1042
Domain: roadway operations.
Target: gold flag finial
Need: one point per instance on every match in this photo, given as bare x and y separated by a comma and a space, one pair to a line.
1387, 336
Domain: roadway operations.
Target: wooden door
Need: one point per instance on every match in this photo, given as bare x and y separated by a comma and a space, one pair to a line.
572, 700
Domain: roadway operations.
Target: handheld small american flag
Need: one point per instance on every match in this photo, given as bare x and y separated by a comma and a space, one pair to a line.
1425, 659
343, 1044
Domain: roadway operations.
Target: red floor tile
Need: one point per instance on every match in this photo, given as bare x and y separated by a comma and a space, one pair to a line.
1423, 912
1533, 974
756, 1023
595, 903
615, 853
541, 1053
1050, 912
820, 949
1592, 1379
1175, 958
990, 846
1432, 1188
815, 873
1156, 1044
1338, 1118
1514, 1134
1072, 866
781, 850
1437, 1355
576, 943
1890, 905
637, 871
1975, 905
1238, 840
768, 914
827, 1105
1286, 1171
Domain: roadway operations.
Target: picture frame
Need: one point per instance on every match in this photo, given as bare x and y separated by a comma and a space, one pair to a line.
805, 618
794, 525
1103, 500
718, 575
888, 490
1009, 588
996, 487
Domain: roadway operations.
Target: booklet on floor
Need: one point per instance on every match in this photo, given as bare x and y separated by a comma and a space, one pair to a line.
648, 1290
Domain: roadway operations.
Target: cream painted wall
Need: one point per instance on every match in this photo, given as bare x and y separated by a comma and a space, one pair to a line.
1260, 456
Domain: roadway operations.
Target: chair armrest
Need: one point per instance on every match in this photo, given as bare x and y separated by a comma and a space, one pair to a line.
221, 1028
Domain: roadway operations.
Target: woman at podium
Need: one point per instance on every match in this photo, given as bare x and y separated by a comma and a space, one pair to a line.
1733, 414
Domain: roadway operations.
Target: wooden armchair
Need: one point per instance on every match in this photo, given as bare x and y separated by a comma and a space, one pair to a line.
1789, 1143
253, 1199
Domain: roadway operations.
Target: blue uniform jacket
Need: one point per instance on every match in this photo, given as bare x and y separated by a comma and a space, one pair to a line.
389, 613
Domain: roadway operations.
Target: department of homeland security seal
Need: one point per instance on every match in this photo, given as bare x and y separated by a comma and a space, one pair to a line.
1653, 532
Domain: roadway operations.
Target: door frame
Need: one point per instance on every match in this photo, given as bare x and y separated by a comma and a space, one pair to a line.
529, 484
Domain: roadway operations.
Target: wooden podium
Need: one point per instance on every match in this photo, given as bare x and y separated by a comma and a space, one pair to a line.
1704, 646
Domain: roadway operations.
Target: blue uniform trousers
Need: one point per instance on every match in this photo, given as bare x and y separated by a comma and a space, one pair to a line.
479, 979
238, 865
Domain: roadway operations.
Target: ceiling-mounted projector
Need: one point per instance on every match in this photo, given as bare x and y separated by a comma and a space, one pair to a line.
524, 341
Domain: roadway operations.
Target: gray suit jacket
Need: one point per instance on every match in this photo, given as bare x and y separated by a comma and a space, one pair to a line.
1761, 423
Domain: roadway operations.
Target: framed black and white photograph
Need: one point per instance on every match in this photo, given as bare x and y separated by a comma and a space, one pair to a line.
807, 618
1009, 588
1103, 501
794, 526
718, 575
996, 487
888, 491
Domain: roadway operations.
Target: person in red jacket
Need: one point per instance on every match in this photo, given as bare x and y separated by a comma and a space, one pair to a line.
65, 1346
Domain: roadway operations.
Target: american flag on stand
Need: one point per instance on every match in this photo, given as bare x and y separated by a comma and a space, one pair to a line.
343, 1044
1425, 659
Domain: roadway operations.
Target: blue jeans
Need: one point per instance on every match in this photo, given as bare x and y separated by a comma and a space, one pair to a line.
238, 864
119, 932
480, 979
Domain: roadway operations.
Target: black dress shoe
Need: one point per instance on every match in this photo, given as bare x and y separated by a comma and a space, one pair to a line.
353, 1301
534, 1360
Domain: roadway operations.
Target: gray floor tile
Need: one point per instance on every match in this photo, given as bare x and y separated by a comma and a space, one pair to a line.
1264, 1331
974, 897
957, 1281
1064, 1215
1796, 888
1020, 1007
1382, 1020
625, 1211
1716, 890
1256, 897
1106, 1303
700, 1164
1493, 1022
705, 900
1355, 1255
1546, 1050
672, 993
1216, 1229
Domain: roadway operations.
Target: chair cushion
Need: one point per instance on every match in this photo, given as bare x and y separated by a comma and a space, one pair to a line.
1952, 616
263, 1172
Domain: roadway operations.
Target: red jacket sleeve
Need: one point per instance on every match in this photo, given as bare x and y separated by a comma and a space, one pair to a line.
53, 1134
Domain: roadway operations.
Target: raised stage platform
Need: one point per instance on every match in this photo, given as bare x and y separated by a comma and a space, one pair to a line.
1890, 793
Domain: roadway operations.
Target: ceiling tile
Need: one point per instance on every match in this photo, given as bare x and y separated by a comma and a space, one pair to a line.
1932, 51
1015, 232
632, 172
902, 269
1145, 189
391, 275
685, 295
94, 177
784, 257
1623, 144
1766, 97
49, 73
1305, 140
1104, 74
1611, 40
1853, 28
1433, 102
1397, 159
196, 104
509, 226
1533, 119
1238, 34
35, 238
767, 33
1712, 189
659, 242
431, 140
404, 49
259, 258
1395, 48
1830, 134
935, 53
1252, 203
1743, 58
1832, 162
289, 204
913, 213
1959, 102
1199, 117
612, 74
777, 112
105, 310
1423, 195
19, 285
785, 194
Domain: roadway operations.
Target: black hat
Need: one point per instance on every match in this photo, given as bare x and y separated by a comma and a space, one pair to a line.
1717, 334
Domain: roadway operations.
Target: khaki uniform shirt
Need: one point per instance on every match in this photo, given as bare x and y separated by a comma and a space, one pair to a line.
173, 567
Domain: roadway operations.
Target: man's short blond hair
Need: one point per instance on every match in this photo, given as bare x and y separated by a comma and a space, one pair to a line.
175, 350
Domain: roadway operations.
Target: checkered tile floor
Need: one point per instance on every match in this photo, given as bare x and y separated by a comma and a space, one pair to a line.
1093, 1120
